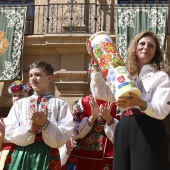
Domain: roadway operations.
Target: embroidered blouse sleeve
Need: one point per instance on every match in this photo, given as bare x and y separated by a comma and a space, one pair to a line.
61, 125
109, 130
159, 106
99, 88
17, 130
81, 122
82, 128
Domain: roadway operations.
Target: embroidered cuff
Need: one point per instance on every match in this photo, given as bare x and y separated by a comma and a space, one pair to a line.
45, 126
91, 125
31, 131
68, 153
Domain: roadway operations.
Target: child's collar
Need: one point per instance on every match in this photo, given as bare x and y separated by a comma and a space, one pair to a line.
45, 94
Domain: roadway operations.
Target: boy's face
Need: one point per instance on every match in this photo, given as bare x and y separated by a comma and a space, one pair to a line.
39, 80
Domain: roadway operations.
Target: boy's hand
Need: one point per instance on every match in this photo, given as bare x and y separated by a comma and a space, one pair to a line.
35, 127
39, 118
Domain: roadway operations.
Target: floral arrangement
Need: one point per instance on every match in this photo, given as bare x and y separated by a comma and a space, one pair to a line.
18, 85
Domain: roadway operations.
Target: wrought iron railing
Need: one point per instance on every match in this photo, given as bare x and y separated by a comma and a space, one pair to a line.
71, 18
63, 18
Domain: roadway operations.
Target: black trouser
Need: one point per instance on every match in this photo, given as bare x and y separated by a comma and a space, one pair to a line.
140, 144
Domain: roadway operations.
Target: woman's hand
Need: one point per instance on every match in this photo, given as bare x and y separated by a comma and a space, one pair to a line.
131, 101
90, 50
105, 112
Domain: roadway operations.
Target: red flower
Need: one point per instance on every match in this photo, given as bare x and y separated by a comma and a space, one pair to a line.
98, 128
33, 100
45, 100
16, 88
121, 79
109, 47
43, 106
105, 60
105, 72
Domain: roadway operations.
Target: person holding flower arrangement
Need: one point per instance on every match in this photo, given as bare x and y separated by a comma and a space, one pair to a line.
140, 141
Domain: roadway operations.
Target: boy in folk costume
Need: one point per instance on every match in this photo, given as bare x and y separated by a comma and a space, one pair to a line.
38, 124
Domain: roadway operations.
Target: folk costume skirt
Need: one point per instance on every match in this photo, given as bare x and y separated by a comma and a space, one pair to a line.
37, 156
140, 144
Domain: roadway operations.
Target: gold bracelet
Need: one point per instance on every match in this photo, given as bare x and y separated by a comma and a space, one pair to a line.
110, 123
95, 66
144, 107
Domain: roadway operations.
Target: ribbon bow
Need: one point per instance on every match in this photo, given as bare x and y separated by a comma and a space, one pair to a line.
39, 99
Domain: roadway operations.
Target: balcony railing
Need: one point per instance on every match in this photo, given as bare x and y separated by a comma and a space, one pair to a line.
71, 18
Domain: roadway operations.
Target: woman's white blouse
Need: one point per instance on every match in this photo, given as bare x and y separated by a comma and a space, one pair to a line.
155, 88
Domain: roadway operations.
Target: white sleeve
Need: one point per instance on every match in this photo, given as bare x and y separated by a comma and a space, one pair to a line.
63, 155
60, 128
109, 130
17, 131
82, 128
159, 107
100, 89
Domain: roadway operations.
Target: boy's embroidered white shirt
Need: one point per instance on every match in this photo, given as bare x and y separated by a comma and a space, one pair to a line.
56, 134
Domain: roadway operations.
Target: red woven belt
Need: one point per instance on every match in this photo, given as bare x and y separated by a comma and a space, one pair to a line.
8, 146
131, 112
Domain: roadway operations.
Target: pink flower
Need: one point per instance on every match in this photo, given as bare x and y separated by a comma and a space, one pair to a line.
32, 106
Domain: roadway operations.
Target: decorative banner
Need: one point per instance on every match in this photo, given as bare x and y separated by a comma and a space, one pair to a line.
133, 19
12, 27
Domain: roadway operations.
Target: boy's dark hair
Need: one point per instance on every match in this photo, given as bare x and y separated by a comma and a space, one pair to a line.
46, 67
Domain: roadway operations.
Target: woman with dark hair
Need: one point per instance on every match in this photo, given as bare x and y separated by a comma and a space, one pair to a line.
140, 141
